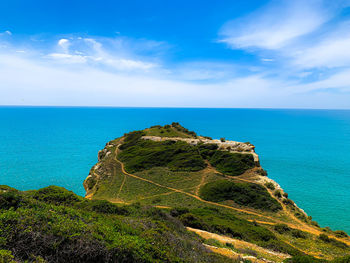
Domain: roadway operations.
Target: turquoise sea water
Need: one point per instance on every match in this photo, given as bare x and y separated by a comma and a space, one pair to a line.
305, 151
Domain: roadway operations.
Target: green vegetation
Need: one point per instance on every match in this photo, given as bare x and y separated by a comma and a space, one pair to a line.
173, 130
43, 226
246, 194
141, 154
220, 222
284, 229
333, 241
169, 174
145, 154
340, 233
270, 185
232, 163
345, 259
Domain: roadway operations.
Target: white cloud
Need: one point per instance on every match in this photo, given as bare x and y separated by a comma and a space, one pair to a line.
64, 44
331, 51
36, 82
67, 58
276, 25
92, 73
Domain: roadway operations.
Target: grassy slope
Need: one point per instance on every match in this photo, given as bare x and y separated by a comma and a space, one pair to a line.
117, 186
55, 225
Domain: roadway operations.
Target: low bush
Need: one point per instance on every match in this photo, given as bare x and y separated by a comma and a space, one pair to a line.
287, 201
282, 228
103, 206
54, 225
56, 195
177, 156
233, 164
10, 199
246, 194
277, 193
333, 241
270, 185
314, 223
340, 233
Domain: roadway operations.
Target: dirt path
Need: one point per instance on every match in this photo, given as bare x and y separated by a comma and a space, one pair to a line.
201, 183
121, 186
188, 194
240, 244
302, 226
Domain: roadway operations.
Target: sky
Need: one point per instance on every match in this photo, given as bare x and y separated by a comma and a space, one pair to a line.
162, 53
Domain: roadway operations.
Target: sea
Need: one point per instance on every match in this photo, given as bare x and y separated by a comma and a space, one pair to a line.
306, 151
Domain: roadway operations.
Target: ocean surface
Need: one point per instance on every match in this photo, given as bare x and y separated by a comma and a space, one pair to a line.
305, 151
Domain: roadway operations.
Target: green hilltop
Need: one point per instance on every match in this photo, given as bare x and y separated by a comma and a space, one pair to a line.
166, 194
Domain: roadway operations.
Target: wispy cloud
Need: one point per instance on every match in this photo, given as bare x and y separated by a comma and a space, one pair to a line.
330, 50
301, 60
275, 25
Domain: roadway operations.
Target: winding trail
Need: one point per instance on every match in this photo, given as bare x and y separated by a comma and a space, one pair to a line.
301, 226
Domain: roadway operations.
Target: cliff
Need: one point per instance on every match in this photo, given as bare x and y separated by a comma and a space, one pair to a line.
210, 184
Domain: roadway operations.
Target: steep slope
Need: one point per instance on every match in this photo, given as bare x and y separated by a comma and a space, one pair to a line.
216, 186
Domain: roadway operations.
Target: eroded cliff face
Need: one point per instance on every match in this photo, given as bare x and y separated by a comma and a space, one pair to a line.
100, 169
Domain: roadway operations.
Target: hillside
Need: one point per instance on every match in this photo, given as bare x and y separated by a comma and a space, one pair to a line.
215, 186
165, 194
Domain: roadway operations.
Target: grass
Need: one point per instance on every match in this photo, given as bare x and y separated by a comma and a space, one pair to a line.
245, 194
43, 227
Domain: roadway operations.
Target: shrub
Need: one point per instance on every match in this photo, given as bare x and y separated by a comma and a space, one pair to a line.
340, 233
56, 195
314, 223
282, 228
334, 242
229, 245
179, 211
270, 185
287, 201
261, 172
301, 216
103, 206
345, 259
131, 139
298, 233
233, 164
222, 139
6, 256
10, 199
277, 193
177, 156
246, 194
192, 221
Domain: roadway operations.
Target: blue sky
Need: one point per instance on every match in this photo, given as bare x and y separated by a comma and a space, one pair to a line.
256, 54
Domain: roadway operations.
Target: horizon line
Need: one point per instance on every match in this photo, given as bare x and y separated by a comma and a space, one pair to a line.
164, 107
